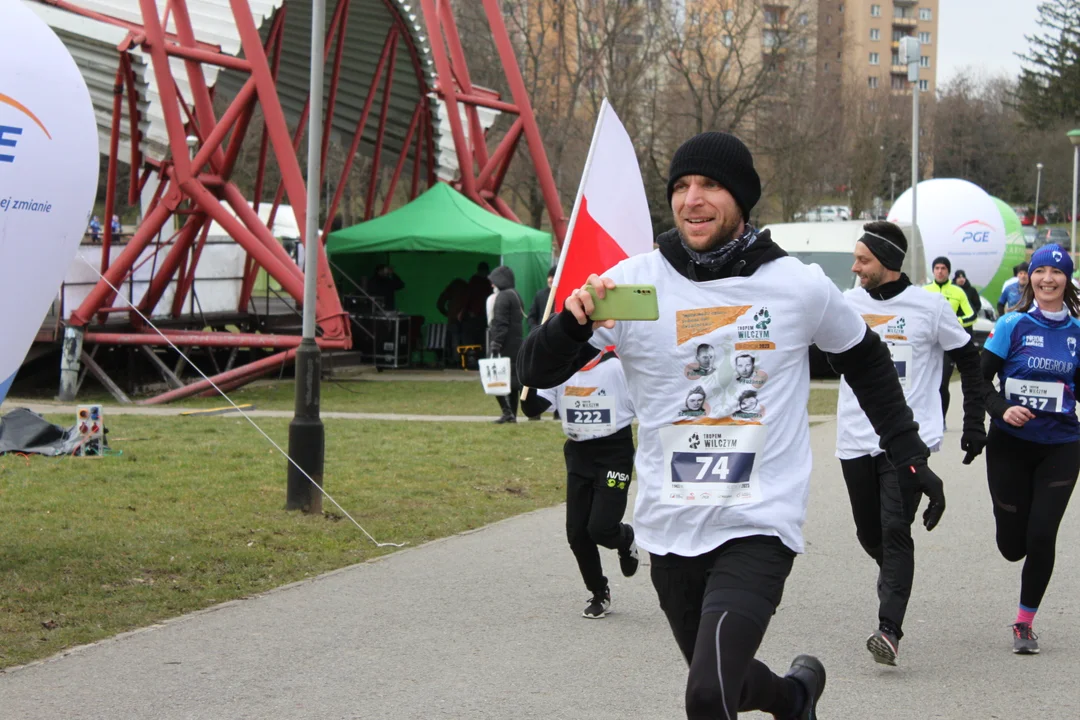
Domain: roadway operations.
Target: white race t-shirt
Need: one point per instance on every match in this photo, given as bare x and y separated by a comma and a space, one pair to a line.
719, 385
918, 327
594, 403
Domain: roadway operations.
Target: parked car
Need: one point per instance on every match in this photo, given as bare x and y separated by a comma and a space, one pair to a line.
825, 213
1027, 216
1029, 236
1052, 235
822, 213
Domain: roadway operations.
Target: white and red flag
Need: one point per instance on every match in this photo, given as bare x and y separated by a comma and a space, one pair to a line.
610, 221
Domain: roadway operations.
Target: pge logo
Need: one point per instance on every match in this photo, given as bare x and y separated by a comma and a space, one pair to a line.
10, 134
975, 231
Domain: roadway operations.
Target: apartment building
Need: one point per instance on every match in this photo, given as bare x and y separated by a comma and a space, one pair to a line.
859, 41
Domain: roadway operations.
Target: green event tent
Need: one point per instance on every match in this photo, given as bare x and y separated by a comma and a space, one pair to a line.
437, 237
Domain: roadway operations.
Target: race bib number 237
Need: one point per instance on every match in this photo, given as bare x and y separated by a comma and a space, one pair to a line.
1035, 395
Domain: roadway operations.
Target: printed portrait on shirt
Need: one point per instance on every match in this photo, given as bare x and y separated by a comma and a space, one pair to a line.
704, 363
722, 350
747, 371
748, 406
696, 405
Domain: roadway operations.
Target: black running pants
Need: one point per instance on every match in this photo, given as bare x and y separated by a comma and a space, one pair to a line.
1030, 484
946, 377
597, 482
509, 403
883, 515
718, 606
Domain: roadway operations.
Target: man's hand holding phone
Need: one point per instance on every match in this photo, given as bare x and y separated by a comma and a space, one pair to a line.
581, 303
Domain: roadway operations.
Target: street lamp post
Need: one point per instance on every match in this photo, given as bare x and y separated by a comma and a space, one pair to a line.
909, 55
1074, 138
306, 433
1038, 186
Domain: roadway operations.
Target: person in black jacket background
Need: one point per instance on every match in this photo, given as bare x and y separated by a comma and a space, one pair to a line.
384, 285
960, 279
506, 335
540, 301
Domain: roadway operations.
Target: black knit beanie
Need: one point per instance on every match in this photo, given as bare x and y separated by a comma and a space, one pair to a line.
942, 260
725, 159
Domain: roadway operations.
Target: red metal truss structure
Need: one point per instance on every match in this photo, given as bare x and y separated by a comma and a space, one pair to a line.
482, 173
193, 172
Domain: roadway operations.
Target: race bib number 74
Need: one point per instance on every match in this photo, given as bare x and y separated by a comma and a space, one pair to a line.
711, 465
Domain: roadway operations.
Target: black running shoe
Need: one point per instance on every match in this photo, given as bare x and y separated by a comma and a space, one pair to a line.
598, 605
1025, 642
884, 645
808, 671
628, 558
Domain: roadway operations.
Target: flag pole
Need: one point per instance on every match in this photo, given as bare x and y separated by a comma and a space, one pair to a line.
569, 236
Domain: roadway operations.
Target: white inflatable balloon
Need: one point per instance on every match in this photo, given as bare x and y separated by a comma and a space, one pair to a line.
48, 176
959, 220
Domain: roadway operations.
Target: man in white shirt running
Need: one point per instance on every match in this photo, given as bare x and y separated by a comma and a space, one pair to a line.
723, 485
918, 327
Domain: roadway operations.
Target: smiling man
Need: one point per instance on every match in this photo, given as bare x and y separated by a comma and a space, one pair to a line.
919, 328
723, 492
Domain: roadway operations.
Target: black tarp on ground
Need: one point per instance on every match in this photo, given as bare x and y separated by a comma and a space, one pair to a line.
24, 431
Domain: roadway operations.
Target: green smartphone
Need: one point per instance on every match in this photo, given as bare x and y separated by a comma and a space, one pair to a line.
626, 302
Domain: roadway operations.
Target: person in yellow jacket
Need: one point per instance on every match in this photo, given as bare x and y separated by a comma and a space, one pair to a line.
964, 314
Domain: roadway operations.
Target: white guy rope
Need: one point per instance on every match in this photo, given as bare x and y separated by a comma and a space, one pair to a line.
240, 410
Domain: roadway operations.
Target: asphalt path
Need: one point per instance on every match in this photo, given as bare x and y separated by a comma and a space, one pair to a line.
487, 625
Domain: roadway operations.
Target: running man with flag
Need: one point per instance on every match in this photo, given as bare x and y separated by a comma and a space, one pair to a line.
722, 493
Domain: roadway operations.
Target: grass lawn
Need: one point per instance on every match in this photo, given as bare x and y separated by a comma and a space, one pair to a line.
823, 401
398, 397
408, 397
190, 515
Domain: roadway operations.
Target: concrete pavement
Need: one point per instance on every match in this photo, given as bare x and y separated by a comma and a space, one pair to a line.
487, 625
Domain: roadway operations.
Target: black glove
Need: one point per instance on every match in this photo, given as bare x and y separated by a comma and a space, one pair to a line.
918, 476
495, 350
972, 442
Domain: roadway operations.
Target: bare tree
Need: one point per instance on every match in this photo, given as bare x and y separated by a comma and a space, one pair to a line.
573, 53
795, 135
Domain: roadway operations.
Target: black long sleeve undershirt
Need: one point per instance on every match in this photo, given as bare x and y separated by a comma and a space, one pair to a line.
995, 403
555, 351
971, 384
533, 405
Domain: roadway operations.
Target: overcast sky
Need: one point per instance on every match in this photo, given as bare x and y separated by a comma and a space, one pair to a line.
983, 34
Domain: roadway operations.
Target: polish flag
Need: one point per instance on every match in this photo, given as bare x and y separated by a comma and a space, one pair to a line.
610, 221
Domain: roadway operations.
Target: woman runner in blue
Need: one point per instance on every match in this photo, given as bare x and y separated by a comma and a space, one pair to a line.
1033, 447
